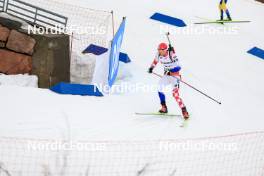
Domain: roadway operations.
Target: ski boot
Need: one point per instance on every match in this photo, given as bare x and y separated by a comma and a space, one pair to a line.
163, 109
229, 19
185, 113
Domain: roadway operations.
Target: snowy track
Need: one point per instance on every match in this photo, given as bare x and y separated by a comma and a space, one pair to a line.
217, 64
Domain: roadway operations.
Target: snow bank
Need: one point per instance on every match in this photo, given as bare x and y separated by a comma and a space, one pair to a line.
24, 24
124, 72
82, 68
19, 80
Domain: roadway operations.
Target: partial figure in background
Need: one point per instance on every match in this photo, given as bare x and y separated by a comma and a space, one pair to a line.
223, 9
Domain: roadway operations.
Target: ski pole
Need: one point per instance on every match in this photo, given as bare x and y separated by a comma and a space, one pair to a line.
192, 88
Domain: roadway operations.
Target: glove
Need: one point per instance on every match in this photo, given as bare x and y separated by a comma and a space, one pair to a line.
167, 73
150, 70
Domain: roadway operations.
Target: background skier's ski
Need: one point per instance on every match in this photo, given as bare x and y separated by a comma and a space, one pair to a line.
222, 22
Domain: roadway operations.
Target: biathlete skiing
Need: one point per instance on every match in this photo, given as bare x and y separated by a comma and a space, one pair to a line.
167, 57
223, 8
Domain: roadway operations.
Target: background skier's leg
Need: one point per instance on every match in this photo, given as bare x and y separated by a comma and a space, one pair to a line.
221, 15
228, 15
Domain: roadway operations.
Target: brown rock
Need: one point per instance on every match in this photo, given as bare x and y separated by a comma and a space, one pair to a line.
4, 33
2, 44
14, 63
20, 43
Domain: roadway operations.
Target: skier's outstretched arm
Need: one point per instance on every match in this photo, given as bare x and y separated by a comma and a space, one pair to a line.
153, 65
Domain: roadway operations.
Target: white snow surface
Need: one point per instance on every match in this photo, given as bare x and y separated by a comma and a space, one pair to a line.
22, 80
217, 64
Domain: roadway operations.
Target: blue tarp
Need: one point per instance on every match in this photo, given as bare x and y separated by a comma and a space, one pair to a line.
76, 89
94, 49
98, 50
123, 57
168, 19
257, 52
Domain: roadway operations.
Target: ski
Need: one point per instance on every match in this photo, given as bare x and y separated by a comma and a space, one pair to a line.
184, 123
207, 21
222, 22
158, 114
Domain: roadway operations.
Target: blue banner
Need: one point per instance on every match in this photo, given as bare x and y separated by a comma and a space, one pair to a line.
115, 52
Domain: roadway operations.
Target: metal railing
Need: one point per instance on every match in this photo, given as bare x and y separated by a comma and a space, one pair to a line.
2, 5
34, 15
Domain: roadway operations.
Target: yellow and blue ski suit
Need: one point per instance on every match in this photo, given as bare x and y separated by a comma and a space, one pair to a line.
223, 8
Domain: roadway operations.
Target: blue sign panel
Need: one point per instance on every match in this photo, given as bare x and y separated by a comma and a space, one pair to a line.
115, 52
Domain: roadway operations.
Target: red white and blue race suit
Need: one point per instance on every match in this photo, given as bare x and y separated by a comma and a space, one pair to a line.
171, 77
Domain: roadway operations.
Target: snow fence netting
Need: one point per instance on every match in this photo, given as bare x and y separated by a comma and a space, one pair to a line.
232, 155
